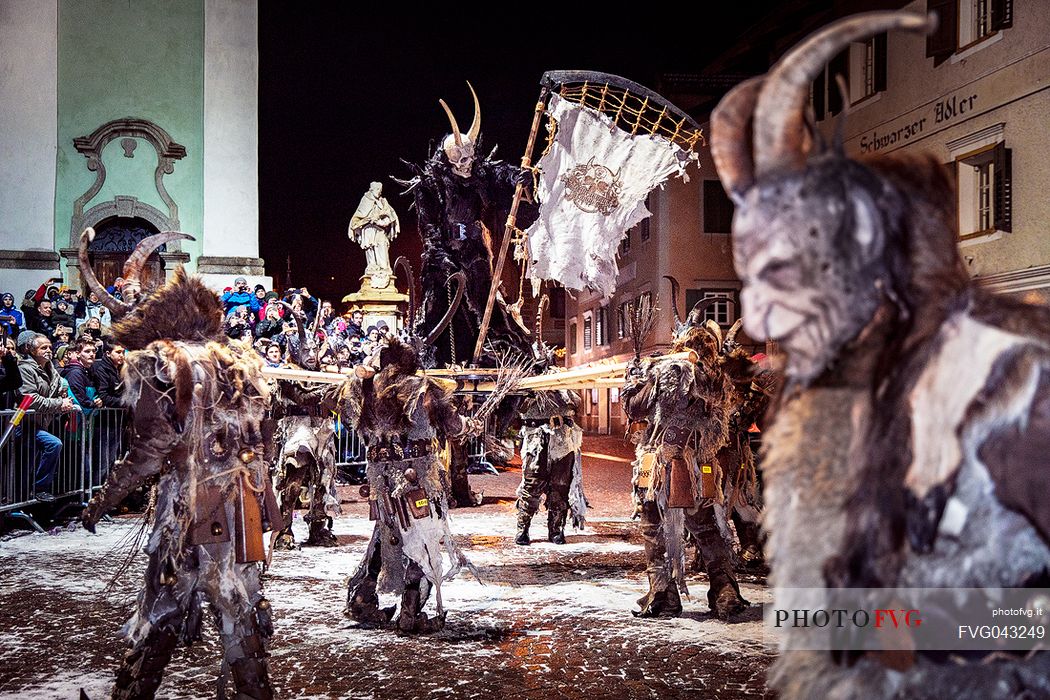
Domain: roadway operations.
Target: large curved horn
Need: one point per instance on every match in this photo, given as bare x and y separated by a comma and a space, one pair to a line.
715, 330
410, 280
455, 127
133, 267
475, 125
780, 111
540, 309
675, 288
696, 314
116, 306
731, 137
733, 330
461, 283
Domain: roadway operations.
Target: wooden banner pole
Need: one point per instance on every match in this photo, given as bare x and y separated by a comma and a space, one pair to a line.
508, 231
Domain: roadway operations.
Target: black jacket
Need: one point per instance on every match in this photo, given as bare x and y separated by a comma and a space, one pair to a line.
79, 381
108, 383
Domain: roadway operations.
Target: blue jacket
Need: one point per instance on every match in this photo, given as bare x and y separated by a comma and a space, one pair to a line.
19, 322
233, 299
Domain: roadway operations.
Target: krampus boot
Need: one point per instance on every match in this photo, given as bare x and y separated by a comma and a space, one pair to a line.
320, 535
143, 667
662, 600
556, 524
412, 619
524, 521
250, 674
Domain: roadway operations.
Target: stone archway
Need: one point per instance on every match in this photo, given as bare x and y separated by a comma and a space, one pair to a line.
115, 239
91, 146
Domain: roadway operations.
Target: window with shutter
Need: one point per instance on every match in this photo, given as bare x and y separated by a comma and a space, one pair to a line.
1002, 14
945, 40
879, 58
573, 347
984, 191
1003, 188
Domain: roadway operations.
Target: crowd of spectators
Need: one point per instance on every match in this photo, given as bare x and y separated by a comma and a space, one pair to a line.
60, 364
57, 351
267, 320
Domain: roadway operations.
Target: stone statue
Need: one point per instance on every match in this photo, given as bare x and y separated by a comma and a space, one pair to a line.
373, 227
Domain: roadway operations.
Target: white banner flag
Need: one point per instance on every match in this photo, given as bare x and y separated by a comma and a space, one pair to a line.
592, 189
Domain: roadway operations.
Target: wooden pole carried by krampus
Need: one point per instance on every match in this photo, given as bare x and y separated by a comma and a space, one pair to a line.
508, 230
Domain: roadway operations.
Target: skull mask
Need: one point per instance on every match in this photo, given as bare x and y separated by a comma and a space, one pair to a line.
813, 235
459, 147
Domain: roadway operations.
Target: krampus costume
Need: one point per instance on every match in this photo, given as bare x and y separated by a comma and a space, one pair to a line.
680, 418
551, 463
305, 471
910, 445
736, 460
459, 199
197, 406
402, 417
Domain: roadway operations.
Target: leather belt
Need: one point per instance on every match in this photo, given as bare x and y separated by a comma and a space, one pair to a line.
553, 421
395, 452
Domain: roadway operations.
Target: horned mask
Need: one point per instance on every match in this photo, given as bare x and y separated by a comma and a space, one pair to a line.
132, 291
459, 147
812, 228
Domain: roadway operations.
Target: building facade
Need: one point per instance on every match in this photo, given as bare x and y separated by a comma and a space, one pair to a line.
975, 94
132, 118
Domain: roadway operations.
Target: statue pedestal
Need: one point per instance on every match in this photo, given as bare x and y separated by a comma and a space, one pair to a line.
385, 304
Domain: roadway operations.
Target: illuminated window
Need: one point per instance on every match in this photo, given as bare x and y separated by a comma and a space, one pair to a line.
984, 186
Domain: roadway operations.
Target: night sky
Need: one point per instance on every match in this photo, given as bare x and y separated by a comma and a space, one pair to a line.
344, 96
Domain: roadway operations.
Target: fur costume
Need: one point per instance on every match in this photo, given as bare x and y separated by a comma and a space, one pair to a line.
680, 419
197, 406
551, 464
458, 205
402, 418
305, 472
910, 446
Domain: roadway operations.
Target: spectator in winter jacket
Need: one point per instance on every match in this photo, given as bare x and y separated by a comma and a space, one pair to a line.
7, 308
271, 324
49, 397
62, 314
42, 322
77, 373
93, 308
241, 295
105, 374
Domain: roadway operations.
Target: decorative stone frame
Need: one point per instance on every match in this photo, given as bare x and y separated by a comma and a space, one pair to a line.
91, 147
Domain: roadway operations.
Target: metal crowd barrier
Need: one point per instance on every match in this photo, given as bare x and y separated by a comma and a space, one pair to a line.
91, 441
94, 439
349, 454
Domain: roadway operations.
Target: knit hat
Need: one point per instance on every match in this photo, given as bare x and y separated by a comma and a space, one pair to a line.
24, 339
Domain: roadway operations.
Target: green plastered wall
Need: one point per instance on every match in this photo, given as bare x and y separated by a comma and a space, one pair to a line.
138, 58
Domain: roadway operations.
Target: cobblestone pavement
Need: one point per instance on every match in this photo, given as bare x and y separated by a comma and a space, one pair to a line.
548, 621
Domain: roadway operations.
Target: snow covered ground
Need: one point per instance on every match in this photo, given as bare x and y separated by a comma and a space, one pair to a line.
546, 622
